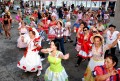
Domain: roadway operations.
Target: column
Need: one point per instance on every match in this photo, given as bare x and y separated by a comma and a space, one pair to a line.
117, 15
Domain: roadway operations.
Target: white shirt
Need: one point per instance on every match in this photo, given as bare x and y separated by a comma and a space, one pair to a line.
106, 16
100, 28
110, 38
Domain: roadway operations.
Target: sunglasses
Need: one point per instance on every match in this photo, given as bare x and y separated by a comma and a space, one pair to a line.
94, 31
84, 30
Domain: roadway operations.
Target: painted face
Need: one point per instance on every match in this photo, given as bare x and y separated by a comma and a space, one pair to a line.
97, 42
108, 63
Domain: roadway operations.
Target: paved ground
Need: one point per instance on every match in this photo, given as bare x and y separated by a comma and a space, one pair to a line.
10, 55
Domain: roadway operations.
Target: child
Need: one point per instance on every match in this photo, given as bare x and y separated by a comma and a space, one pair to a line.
67, 32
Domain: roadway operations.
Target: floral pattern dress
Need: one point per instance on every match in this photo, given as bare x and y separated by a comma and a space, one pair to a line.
97, 59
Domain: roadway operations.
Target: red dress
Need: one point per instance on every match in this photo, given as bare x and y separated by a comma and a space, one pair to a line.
52, 23
51, 34
86, 46
45, 27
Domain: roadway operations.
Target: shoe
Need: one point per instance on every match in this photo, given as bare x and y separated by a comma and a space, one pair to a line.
83, 60
74, 44
42, 59
82, 79
1, 33
76, 56
25, 71
47, 40
39, 72
76, 65
71, 40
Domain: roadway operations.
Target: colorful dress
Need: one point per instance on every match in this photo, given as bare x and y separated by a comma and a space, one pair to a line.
55, 72
101, 70
45, 22
97, 59
85, 46
51, 34
31, 60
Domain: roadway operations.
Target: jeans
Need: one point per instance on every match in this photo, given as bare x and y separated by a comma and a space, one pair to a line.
61, 43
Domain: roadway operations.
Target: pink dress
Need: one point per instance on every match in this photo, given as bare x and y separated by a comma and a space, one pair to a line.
23, 33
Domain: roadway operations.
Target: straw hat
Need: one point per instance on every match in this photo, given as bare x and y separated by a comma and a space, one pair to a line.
35, 10
60, 21
31, 17
97, 35
41, 24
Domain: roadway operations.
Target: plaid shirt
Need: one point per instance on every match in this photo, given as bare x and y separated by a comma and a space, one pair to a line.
59, 32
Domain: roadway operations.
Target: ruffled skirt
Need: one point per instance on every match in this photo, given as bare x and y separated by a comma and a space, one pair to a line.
84, 55
90, 68
31, 62
55, 76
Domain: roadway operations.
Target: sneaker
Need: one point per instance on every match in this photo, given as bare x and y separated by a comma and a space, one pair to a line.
71, 40
82, 79
39, 72
42, 59
47, 40
25, 71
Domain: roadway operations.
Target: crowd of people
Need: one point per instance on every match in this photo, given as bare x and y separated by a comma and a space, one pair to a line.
95, 37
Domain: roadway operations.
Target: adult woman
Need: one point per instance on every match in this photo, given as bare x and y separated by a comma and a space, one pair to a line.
79, 31
6, 26
34, 45
107, 72
55, 71
32, 22
98, 51
100, 27
84, 40
45, 22
52, 25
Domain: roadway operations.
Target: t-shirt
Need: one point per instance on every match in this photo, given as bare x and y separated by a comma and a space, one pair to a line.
76, 25
110, 38
106, 16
